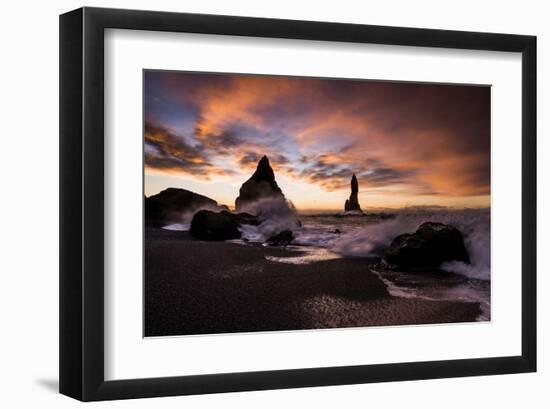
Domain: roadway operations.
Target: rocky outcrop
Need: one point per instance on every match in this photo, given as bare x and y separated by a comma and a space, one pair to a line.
245, 218
431, 245
283, 238
213, 226
352, 204
261, 185
170, 205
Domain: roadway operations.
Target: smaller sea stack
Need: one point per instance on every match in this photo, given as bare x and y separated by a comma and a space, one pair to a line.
352, 204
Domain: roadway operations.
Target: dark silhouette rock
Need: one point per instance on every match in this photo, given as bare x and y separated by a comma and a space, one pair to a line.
224, 225
168, 206
245, 218
212, 226
352, 204
431, 245
283, 238
261, 185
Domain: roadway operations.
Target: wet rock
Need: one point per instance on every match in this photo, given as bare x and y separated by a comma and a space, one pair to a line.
212, 226
431, 245
245, 218
283, 238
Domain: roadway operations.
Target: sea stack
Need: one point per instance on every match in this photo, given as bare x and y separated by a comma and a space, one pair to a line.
352, 204
261, 185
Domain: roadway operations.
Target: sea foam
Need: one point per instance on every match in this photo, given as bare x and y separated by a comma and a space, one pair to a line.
372, 240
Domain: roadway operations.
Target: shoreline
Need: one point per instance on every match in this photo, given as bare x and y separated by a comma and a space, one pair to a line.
194, 287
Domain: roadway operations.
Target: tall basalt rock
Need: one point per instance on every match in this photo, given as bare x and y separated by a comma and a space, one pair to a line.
352, 204
261, 185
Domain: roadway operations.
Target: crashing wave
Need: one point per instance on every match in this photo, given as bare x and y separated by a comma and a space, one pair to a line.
474, 224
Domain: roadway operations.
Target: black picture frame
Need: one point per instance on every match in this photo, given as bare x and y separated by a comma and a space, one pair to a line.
81, 318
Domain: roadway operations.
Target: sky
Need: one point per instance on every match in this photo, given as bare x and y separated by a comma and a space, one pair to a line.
410, 144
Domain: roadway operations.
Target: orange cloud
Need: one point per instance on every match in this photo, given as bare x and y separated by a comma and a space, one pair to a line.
412, 139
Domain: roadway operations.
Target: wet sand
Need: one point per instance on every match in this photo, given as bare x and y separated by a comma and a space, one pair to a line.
196, 287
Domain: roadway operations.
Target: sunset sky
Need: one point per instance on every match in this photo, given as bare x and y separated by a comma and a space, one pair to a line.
409, 144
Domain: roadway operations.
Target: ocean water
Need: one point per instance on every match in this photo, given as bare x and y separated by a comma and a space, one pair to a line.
324, 236
331, 235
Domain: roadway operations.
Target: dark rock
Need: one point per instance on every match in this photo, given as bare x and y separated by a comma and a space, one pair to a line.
168, 206
245, 218
352, 204
261, 185
431, 245
284, 238
208, 225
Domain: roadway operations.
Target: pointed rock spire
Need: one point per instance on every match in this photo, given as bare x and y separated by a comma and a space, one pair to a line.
352, 204
264, 172
261, 185
354, 185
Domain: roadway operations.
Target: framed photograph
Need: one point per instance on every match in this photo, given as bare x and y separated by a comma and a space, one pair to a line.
252, 203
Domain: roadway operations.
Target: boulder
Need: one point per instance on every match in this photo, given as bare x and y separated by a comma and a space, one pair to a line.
209, 225
352, 204
431, 245
283, 238
245, 218
261, 185
212, 226
170, 205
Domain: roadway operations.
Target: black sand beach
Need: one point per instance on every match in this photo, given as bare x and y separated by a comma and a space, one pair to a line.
196, 287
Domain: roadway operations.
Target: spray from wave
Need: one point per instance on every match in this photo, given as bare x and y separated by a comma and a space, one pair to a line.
362, 237
185, 218
274, 214
372, 240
